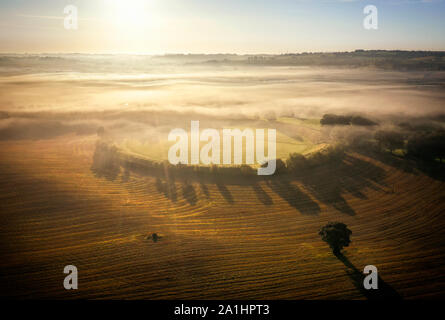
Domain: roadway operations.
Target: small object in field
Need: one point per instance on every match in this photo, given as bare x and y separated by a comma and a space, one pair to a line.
336, 234
155, 237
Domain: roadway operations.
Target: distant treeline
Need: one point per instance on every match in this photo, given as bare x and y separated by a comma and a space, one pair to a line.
382, 59
423, 145
293, 164
333, 119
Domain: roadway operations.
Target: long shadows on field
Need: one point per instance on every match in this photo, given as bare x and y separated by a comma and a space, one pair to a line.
225, 192
204, 189
126, 175
106, 162
261, 194
352, 175
384, 291
294, 196
326, 183
189, 193
433, 169
168, 188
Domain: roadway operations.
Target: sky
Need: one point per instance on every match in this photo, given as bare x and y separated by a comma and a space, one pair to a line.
219, 26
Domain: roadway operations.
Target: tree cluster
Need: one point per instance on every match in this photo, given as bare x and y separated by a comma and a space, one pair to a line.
427, 146
345, 120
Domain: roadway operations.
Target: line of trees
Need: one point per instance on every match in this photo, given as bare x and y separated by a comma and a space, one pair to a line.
296, 162
429, 146
334, 119
107, 158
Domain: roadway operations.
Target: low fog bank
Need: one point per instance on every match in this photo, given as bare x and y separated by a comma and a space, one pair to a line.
38, 103
154, 126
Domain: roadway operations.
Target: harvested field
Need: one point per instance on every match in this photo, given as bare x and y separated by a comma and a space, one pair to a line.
220, 239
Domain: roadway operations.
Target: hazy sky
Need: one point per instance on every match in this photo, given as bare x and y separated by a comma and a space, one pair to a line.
211, 26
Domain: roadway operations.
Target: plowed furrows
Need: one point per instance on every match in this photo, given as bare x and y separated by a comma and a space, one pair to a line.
227, 244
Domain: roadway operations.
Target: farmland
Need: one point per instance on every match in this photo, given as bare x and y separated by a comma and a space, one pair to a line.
220, 236
231, 240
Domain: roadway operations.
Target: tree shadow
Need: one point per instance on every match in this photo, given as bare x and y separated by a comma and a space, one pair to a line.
106, 162
189, 194
384, 291
161, 187
352, 175
167, 187
126, 175
225, 192
204, 189
327, 181
171, 187
294, 196
433, 169
262, 195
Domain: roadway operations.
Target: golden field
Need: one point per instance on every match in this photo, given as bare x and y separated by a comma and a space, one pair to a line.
220, 240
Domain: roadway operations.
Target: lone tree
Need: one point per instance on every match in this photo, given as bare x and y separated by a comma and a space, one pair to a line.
336, 234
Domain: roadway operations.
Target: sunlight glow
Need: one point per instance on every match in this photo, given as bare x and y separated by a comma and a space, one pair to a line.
130, 14
134, 25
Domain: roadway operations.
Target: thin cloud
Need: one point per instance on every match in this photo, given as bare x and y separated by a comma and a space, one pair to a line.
51, 17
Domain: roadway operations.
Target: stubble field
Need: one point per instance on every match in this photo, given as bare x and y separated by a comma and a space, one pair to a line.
233, 240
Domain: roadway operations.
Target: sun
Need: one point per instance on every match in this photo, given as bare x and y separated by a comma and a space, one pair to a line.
130, 14
134, 24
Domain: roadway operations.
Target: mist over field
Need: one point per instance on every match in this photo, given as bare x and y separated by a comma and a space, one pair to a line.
49, 95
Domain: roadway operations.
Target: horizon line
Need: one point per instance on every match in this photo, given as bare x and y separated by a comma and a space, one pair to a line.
217, 53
